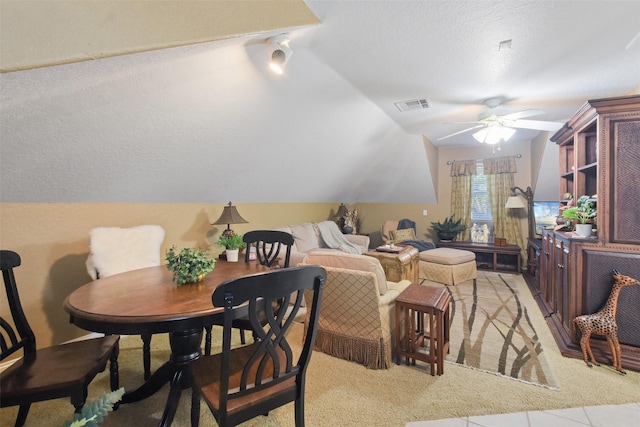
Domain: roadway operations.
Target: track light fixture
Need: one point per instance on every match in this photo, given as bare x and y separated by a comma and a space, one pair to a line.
279, 52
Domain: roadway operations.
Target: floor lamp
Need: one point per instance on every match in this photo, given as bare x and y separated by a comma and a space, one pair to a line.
514, 202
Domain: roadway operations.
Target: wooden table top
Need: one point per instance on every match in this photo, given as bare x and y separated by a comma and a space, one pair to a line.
147, 300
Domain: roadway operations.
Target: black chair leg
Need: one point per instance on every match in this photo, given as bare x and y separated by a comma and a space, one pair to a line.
195, 408
22, 414
207, 340
243, 340
146, 355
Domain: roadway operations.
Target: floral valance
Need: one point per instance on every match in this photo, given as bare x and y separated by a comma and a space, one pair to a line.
499, 165
463, 167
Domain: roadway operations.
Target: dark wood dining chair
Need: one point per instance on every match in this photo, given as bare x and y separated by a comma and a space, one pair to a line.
241, 383
63, 370
268, 245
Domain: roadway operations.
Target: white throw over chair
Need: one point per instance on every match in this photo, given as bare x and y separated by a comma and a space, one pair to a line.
115, 250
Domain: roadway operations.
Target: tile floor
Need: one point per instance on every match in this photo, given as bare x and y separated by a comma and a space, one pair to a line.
595, 416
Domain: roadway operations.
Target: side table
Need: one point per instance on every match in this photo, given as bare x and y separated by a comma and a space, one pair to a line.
399, 266
422, 326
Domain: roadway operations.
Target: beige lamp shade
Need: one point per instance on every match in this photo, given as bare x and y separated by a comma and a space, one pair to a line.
515, 202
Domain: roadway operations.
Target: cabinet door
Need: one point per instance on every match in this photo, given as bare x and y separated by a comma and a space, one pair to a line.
558, 275
546, 269
624, 208
563, 291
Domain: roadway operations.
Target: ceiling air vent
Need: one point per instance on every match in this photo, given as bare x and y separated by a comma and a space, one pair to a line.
414, 104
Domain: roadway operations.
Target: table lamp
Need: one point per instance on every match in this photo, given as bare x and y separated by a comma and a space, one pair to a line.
230, 216
514, 202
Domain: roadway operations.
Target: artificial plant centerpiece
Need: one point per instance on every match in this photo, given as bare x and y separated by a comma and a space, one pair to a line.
448, 229
232, 242
189, 265
582, 214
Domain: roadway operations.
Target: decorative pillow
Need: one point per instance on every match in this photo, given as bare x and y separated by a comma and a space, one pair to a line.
402, 235
305, 236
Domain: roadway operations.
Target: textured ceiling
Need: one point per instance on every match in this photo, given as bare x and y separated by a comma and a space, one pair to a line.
562, 54
208, 123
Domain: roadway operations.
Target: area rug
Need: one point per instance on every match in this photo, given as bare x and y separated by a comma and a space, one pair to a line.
491, 330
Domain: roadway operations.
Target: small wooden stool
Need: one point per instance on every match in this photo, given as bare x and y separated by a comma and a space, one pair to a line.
416, 339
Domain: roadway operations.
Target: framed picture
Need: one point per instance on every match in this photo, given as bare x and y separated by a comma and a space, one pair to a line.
545, 214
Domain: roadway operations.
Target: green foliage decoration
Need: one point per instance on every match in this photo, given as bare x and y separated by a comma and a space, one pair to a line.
189, 265
233, 241
93, 413
449, 225
584, 210
449, 228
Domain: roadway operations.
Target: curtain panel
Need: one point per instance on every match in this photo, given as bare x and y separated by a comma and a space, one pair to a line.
500, 181
461, 196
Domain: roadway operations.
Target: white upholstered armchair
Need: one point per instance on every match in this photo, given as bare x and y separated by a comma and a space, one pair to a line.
357, 311
115, 250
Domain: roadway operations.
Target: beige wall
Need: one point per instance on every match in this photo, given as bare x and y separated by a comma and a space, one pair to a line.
52, 238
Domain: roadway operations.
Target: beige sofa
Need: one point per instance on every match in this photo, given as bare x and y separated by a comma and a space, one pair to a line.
308, 237
357, 311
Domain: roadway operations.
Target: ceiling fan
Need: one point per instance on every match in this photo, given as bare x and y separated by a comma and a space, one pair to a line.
494, 127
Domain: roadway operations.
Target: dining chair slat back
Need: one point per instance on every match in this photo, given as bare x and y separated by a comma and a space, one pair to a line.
63, 370
268, 244
243, 382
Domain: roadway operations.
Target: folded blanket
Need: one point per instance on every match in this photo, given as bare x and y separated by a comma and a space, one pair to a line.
420, 245
334, 239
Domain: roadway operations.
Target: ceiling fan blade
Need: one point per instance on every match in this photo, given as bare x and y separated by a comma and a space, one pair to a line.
522, 114
536, 125
459, 132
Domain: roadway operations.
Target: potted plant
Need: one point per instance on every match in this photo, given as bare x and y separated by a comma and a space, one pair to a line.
189, 265
93, 413
233, 243
583, 214
448, 229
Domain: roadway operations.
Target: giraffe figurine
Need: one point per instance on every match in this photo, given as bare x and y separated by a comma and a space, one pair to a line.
604, 323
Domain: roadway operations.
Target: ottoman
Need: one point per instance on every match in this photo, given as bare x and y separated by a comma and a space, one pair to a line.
447, 265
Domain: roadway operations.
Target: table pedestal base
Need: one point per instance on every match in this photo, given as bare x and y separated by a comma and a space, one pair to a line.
185, 348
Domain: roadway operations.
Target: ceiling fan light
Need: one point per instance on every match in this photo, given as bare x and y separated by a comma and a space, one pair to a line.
493, 135
481, 135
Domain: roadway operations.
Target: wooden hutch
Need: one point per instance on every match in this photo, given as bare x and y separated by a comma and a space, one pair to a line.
599, 155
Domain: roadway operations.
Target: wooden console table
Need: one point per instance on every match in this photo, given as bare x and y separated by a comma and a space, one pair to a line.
491, 257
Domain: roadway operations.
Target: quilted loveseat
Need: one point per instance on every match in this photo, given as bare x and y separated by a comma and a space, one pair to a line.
325, 237
357, 312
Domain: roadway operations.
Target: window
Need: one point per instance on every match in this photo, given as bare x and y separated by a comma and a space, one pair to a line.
480, 208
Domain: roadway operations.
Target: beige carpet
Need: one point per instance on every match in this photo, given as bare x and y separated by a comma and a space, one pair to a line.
342, 393
491, 329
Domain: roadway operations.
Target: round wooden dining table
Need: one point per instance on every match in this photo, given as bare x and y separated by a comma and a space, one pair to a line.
148, 301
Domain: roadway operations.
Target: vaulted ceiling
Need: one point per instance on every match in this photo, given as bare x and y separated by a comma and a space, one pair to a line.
203, 120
